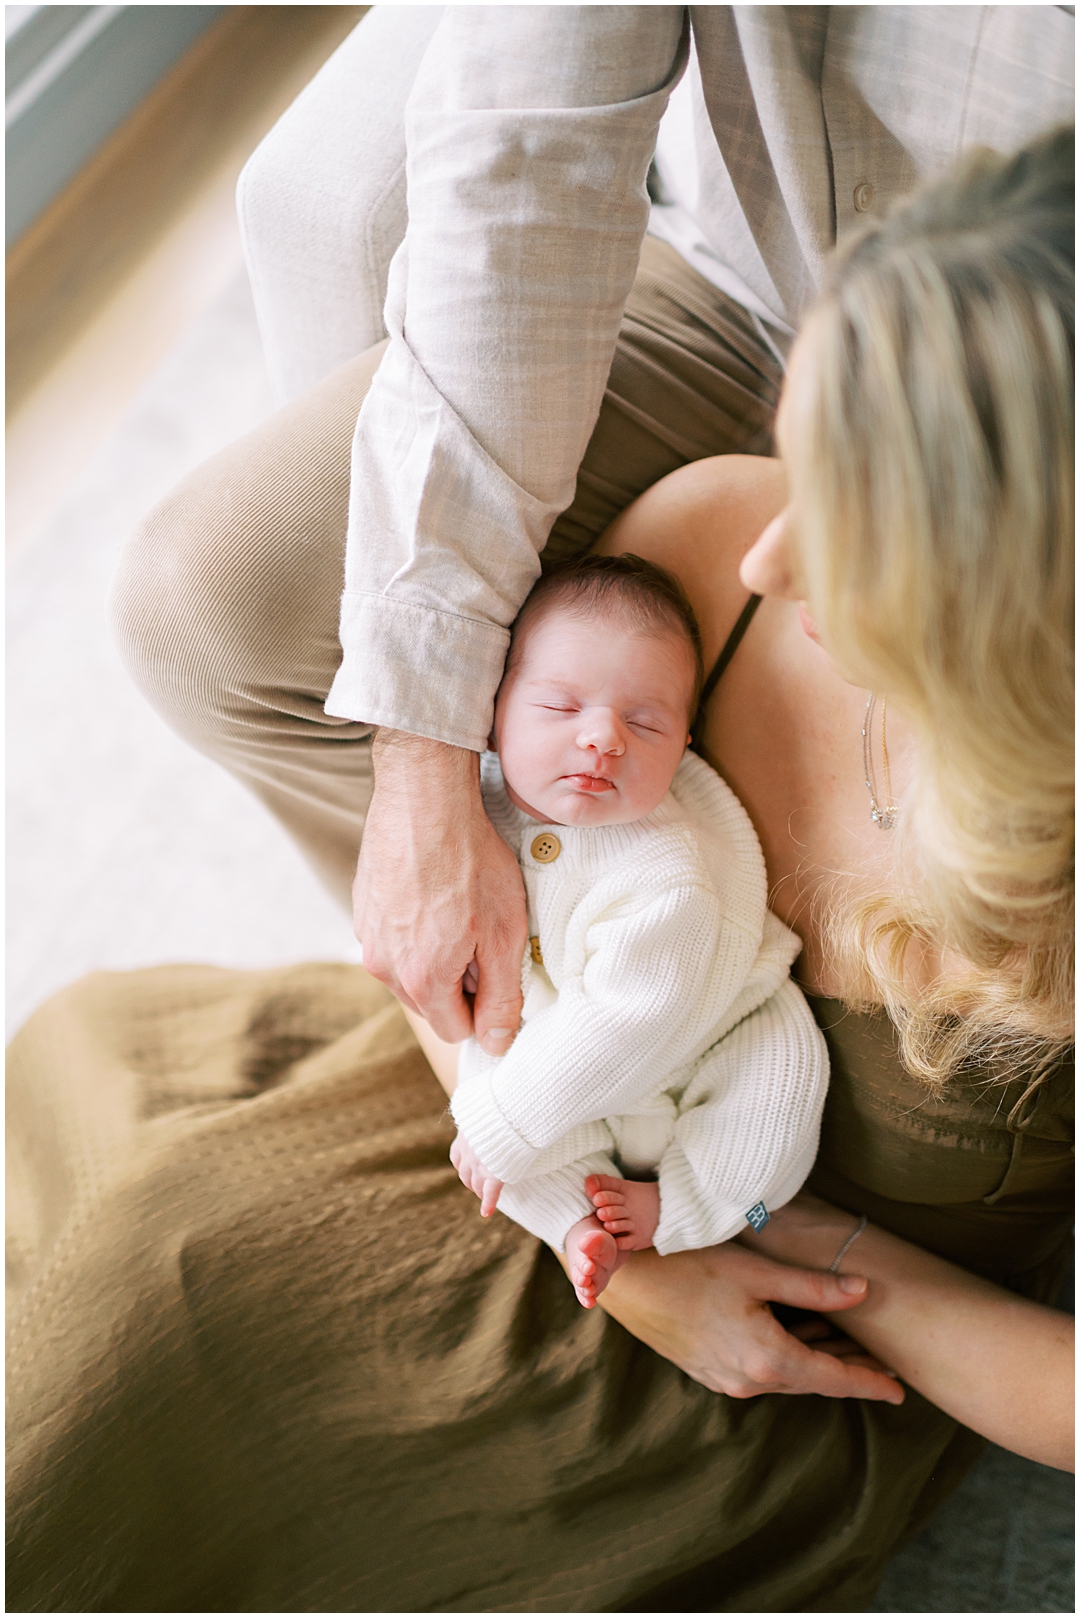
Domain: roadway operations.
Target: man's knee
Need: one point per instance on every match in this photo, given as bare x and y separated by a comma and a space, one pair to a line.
181, 612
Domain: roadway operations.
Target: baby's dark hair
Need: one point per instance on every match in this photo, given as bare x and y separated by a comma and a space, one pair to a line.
648, 598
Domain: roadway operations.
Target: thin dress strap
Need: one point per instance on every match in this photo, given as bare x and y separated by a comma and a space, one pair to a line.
731, 646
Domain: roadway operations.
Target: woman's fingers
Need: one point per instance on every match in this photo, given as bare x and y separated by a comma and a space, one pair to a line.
820, 1369
812, 1289
813, 1370
828, 1340
812, 1330
708, 1311
775, 1362
845, 1348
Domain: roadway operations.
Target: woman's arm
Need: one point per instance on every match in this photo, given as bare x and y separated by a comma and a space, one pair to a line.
442, 1057
998, 1363
1001, 1365
707, 1310
723, 1334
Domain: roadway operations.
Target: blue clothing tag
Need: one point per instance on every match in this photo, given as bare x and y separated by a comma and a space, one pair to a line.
757, 1216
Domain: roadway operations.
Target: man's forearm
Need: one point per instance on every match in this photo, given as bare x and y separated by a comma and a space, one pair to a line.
401, 760
529, 131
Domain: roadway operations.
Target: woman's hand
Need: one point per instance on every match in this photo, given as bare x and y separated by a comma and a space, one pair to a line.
708, 1312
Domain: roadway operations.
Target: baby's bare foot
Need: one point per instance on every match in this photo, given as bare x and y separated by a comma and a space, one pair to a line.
593, 1257
629, 1210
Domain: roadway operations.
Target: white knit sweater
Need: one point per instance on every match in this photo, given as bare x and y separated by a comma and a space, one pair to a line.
660, 1031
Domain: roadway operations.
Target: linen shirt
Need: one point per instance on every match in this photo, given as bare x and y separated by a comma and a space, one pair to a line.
655, 945
529, 135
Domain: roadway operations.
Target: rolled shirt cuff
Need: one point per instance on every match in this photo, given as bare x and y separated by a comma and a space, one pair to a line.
496, 1143
503, 1151
416, 669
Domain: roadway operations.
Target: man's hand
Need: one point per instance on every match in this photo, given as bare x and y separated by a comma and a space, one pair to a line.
474, 1176
437, 891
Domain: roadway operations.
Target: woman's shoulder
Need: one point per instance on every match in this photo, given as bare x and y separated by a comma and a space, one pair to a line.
699, 521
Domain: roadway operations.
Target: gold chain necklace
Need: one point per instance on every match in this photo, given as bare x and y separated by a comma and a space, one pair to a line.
883, 818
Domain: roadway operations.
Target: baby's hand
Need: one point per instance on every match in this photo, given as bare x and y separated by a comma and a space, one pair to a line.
474, 1175
629, 1210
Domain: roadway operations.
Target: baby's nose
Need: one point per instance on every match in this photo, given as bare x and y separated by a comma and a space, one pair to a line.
602, 729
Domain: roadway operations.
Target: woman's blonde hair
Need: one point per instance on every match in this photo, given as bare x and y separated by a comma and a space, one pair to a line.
931, 478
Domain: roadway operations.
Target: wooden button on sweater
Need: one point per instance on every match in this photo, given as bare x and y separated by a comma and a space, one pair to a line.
546, 847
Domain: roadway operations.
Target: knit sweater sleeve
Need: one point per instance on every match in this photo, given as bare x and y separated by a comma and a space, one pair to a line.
657, 970
748, 1127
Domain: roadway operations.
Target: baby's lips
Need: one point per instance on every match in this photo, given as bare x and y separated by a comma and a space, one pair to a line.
590, 783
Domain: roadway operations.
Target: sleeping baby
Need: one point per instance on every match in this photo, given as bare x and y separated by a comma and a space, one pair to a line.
666, 1084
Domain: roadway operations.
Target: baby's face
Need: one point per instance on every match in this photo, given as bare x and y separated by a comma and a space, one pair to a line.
591, 724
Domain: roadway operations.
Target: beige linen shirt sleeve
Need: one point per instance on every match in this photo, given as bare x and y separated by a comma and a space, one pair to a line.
529, 134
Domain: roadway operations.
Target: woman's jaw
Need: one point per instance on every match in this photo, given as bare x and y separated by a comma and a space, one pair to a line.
769, 569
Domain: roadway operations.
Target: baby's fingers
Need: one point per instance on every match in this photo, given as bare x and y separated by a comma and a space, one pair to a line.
489, 1196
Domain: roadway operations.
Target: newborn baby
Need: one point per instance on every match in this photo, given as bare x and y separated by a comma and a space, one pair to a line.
666, 1084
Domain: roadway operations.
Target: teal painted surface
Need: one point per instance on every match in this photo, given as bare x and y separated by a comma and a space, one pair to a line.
72, 75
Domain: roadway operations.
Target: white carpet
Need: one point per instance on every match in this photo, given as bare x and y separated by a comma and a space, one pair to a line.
125, 847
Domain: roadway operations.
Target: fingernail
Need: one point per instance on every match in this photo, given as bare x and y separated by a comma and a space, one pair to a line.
495, 1040
852, 1283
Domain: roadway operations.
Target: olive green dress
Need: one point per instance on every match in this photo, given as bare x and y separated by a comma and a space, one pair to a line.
266, 1356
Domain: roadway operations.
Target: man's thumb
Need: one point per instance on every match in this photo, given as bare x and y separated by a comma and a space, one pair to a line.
497, 1007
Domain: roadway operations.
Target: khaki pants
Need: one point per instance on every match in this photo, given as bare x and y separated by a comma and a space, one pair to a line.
225, 602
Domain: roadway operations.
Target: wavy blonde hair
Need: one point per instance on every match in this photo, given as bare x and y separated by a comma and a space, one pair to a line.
931, 480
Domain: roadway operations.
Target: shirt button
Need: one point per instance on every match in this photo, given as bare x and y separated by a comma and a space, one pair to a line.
864, 196
546, 847
534, 951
